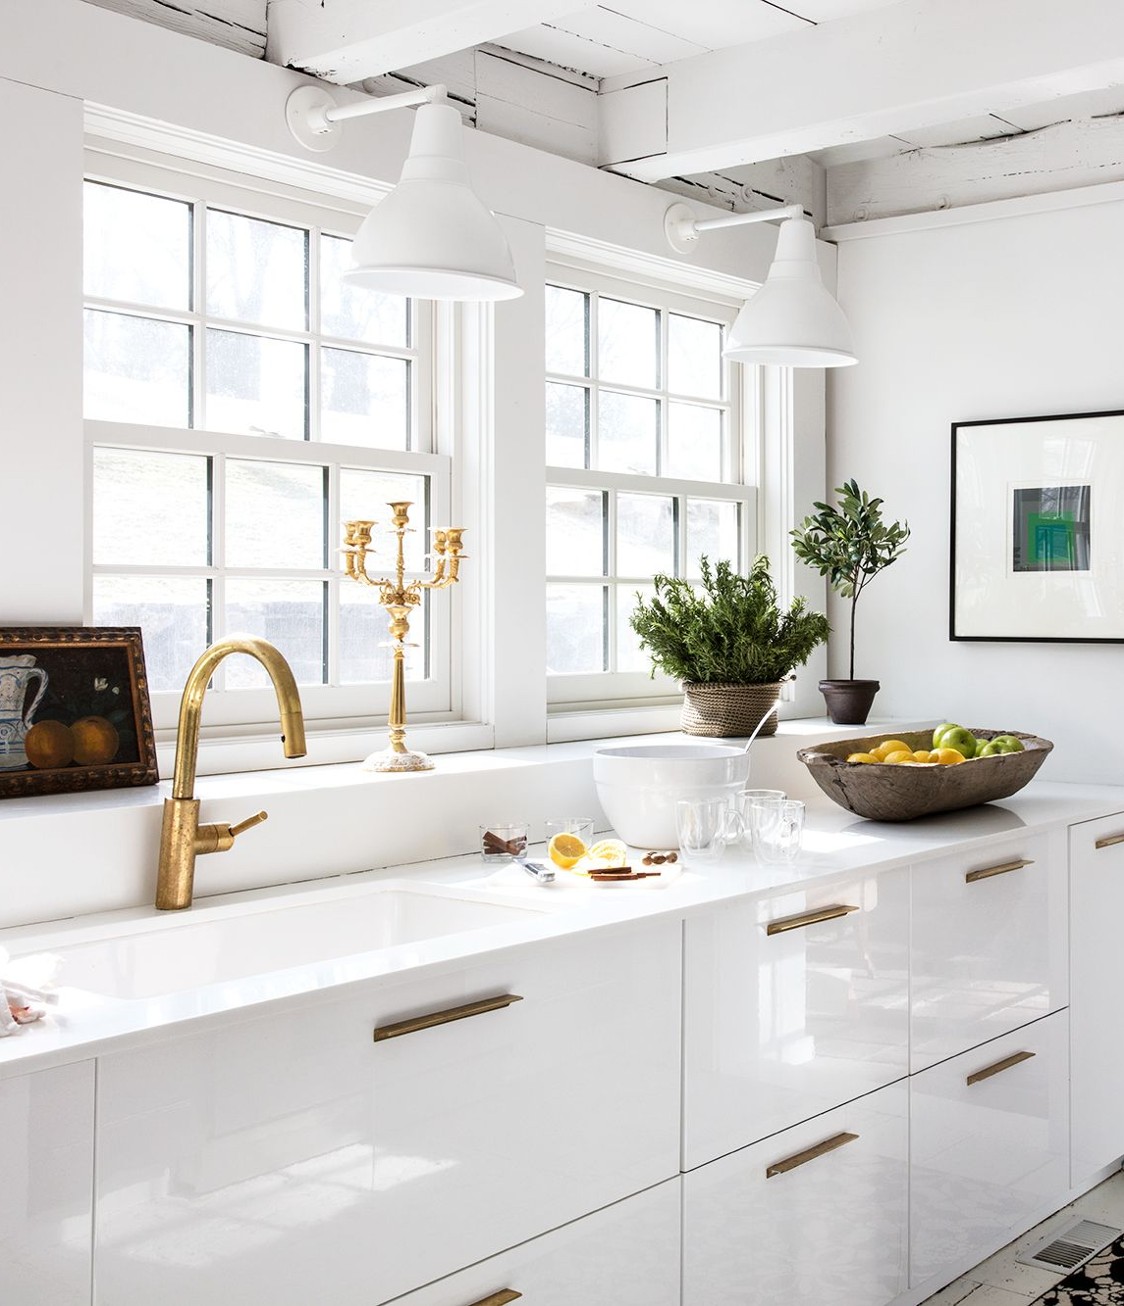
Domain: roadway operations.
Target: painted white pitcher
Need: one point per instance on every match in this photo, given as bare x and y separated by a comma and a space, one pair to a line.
16, 676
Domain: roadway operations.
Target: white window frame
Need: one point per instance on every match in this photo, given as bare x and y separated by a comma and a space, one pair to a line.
616, 690
438, 697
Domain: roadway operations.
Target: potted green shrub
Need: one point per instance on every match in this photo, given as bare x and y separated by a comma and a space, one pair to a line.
850, 544
728, 642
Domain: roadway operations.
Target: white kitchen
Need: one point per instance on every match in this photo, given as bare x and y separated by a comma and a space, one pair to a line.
360, 1061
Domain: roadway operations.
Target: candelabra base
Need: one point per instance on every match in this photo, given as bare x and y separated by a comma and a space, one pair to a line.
390, 760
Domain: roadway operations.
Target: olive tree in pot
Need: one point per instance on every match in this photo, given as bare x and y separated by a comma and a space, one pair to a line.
850, 544
728, 642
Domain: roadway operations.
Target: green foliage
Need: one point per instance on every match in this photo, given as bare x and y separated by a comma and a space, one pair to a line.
729, 631
850, 544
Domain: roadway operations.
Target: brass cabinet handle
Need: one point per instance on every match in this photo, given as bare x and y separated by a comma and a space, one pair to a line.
784, 923
810, 1154
998, 1068
412, 1025
499, 1298
988, 871
1109, 841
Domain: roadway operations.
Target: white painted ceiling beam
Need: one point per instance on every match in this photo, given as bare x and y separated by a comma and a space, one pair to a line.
345, 41
910, 65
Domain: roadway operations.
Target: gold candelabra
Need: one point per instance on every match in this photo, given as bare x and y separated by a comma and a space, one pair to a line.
398, 597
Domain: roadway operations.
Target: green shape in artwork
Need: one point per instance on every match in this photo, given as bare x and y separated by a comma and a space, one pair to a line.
1051, 541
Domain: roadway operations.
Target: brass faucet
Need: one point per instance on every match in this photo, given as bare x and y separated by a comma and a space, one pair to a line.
182, 838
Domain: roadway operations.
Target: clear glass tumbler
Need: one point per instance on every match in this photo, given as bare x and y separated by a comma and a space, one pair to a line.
704, 827
778, 831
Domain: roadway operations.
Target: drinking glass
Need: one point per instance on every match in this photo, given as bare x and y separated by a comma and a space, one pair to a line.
579, 826
704, 827
778, 829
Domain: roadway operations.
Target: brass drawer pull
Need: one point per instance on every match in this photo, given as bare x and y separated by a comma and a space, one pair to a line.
988, 871
802, 1158
499, 1298
412, 1025
1109, 841
998, 1068
831, 913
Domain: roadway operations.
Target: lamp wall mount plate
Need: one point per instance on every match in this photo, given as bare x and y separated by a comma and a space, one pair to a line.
306, 114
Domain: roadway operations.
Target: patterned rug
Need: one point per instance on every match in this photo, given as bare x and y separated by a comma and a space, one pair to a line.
1098, 1283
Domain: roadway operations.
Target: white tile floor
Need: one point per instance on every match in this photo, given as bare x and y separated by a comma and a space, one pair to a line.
999, 1281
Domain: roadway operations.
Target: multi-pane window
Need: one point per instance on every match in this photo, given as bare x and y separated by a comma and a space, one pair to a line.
646, 471
242, 402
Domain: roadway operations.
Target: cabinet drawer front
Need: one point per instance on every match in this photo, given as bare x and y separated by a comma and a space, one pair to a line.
989, 1146
627, 1254
988, 944
788, 1015
46, 1185
1096, 852
391, 1163
793, 1220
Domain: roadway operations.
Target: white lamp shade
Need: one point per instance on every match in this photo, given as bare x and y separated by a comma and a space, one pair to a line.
432, 237
792, 321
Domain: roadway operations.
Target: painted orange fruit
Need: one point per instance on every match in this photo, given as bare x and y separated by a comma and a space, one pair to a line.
95, 741
49, 744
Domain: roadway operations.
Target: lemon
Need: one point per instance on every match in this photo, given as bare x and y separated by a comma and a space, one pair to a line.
862, 757
948, 756
565, 850
898, 755
609, 852
888, 746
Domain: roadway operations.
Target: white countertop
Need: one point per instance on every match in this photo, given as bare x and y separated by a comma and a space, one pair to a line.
835, 843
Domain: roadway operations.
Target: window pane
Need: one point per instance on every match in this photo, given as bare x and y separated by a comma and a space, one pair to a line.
567, 424
364, 400
712, 528
365, 496
288, 613
137, 370
694, 357
256, 386
353, 311
567, 331
630, 656
628, 343
366, 648
694, 442
172, 614
627, 433
575, 628
575, 532
645, 534
274, 515
256, 271
151, 507
137, 247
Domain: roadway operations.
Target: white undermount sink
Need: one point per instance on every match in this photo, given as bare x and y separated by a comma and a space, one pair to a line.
214, 945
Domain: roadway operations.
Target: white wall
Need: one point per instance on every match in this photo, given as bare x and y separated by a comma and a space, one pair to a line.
1014, 316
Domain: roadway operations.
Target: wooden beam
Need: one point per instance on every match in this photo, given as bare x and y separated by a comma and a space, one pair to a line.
345, 41
909, 65
234, 24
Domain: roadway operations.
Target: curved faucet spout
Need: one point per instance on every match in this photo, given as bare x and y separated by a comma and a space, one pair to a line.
182, 838
191, 706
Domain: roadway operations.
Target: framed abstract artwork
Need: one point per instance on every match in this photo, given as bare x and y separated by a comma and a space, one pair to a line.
1037, 549
74, 710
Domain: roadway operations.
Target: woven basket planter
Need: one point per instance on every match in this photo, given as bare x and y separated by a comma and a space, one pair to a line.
728, 709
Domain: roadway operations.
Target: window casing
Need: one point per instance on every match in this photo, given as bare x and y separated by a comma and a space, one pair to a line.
649, 465
241, 406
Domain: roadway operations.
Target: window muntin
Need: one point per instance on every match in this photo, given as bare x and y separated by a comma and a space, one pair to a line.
241, 404
646, 470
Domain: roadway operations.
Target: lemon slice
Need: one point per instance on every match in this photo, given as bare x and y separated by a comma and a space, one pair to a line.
565, 850
609, 853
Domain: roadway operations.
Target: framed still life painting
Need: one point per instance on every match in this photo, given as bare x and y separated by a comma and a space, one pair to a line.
1038, 529
74, 710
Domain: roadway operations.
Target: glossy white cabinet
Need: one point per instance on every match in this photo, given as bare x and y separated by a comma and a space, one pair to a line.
1097, 988
794, 1004
828, 1229
46, 1186
989, 1143
989, 943
625, 1255
292, 1158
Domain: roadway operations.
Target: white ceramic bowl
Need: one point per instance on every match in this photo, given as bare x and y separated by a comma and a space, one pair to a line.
639, 783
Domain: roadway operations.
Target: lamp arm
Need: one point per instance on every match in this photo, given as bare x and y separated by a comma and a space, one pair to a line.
313, 115
683, 228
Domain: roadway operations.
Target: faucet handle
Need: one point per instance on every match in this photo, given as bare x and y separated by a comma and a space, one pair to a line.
248, 824
219, 837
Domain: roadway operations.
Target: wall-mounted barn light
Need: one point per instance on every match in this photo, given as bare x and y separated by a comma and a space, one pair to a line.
793, 319
432, 236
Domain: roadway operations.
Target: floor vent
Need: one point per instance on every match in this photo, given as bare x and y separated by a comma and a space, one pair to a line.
1069, 1249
